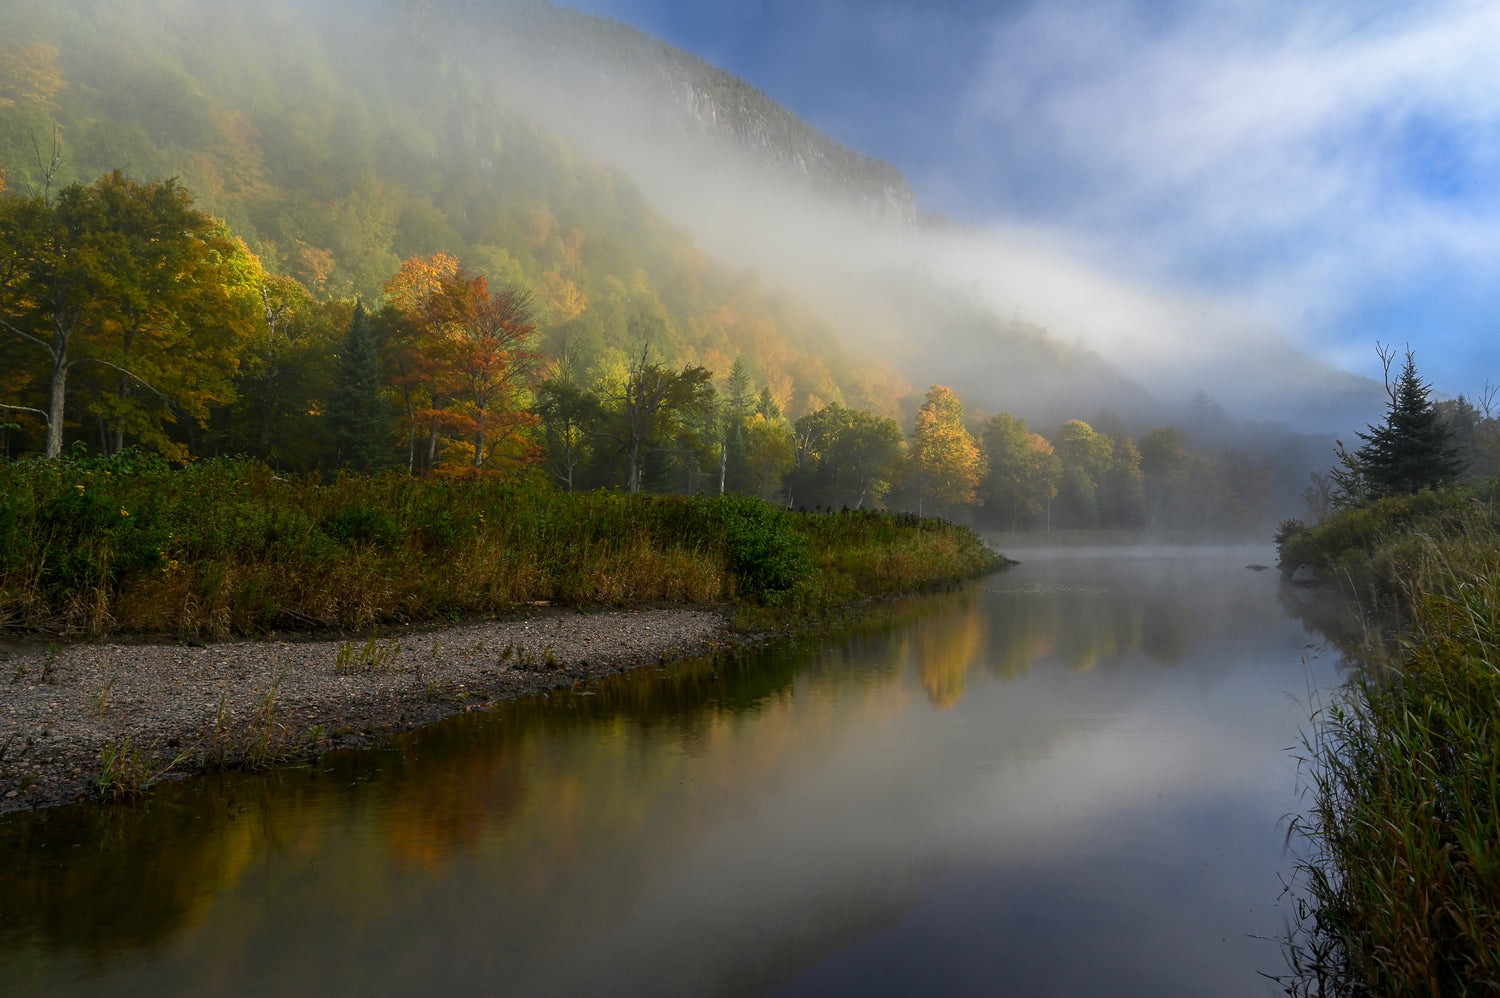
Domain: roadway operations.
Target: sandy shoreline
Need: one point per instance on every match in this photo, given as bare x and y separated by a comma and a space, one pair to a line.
62, 706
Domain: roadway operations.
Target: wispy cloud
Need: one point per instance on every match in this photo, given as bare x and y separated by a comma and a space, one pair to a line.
1303, 159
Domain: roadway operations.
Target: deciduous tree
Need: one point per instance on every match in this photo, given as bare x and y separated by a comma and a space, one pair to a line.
283, 377
946, 461
1024, 470
127, 277
568, 411
769, 456
649, 406
1164, 472
850, 457
466, 370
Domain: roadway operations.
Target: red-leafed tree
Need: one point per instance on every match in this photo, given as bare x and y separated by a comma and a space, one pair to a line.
466, 368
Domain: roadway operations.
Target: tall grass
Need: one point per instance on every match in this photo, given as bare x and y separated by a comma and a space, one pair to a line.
1403, 841
227, 547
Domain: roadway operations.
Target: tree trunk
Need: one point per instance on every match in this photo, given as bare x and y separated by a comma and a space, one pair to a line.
55, 407
635, 466
411, 437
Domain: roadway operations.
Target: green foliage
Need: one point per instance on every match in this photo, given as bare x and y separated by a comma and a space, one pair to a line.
130, 291
127, 770
1288, 532
333, 172
362, 525
767, 555
845, 458
80, 523
1024, 472
1077, 501
227, 546
372, 656
1361, 547
646, 411
360, 417
1403, 842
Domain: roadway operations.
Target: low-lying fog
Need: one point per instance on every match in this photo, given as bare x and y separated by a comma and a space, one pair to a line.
870, 269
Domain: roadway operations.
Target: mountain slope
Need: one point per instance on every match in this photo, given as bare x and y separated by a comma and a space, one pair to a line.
566, 154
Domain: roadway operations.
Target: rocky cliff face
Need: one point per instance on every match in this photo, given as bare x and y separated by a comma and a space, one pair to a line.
769, 135
603, 63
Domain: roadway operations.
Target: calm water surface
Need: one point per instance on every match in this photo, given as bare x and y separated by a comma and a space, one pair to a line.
1067, 779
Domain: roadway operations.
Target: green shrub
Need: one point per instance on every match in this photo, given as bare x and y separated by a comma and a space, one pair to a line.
357, 524
227, 546
766, 554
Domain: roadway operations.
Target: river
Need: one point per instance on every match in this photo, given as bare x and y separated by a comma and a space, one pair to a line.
1069, 778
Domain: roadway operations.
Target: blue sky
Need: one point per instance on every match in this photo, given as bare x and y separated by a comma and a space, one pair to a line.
1331, 168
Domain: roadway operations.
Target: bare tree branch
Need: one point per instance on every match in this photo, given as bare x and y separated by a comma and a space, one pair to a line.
130, 374
50, 167
27, 408
27, 336
1387, 354
1487, 400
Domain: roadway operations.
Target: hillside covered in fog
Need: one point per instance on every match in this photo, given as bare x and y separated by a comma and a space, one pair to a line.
337, 146
646, 207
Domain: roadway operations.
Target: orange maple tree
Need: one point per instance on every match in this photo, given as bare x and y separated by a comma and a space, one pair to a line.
467, 368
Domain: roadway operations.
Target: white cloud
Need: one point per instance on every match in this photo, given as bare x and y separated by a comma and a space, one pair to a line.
1277, 137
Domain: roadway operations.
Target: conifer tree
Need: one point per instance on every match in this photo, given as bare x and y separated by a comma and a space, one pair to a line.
734, 452
1411, 450
358, 412
767, 405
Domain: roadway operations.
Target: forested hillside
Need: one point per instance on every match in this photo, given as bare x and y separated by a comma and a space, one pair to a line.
324, 241
333, 169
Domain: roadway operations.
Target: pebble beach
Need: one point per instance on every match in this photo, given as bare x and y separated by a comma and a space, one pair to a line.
67, 708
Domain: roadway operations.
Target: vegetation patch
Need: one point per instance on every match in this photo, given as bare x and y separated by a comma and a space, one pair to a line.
227, 547
1402, 846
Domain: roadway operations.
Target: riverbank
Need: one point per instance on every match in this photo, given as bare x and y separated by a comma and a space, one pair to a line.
1402, 845
85, 721
239, 567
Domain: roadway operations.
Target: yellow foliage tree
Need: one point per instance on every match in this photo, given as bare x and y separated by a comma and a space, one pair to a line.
946, 461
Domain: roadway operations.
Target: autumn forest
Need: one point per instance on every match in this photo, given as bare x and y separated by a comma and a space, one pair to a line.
266, 250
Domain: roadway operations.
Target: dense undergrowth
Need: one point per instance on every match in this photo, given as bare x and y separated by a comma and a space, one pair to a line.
1403, 842
225, 547
1382, 550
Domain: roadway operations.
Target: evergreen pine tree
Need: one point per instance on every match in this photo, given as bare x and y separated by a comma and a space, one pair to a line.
1413, 449
767, 405
357, 412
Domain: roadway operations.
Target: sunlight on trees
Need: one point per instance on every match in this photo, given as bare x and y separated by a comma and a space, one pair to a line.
945, 460
130, 279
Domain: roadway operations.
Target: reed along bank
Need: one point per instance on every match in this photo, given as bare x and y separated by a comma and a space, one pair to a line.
1401, 849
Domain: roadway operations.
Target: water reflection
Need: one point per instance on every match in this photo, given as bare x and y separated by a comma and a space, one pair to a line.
1074, 766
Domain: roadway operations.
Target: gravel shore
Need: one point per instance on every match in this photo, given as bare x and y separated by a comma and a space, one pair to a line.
66, 709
